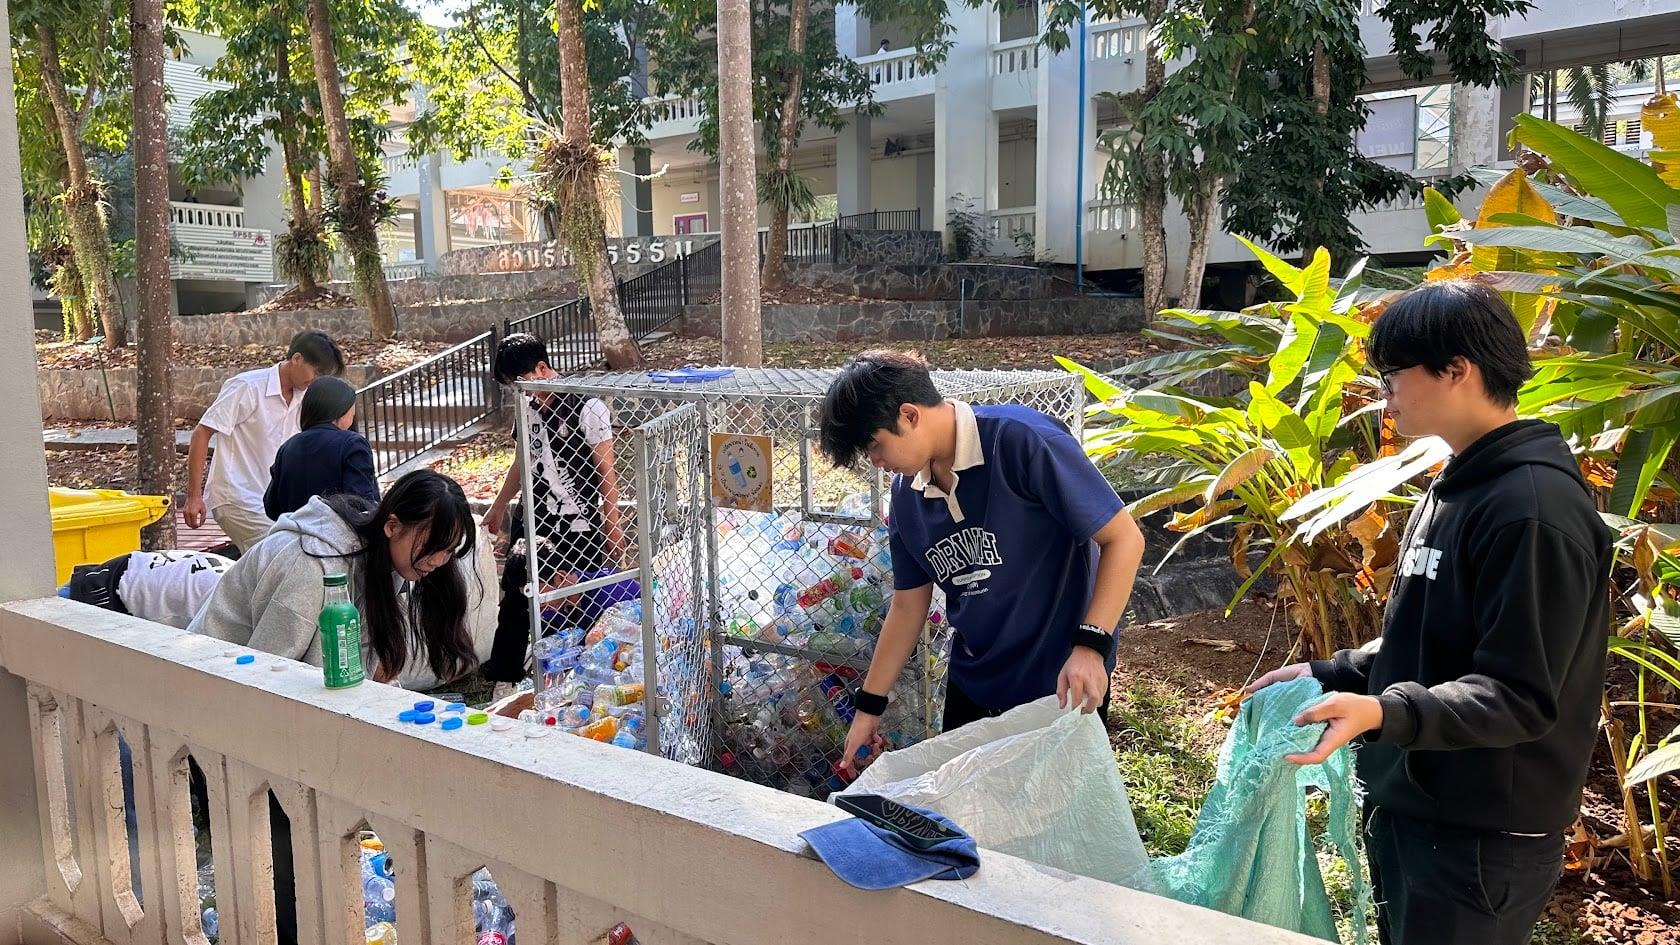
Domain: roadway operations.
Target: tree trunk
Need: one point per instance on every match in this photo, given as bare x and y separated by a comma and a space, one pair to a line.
787, 138
355, 202
617, 344
1199, 216
154, 413
1321, 105
84, 213
1152, 186
743, 342
303, 223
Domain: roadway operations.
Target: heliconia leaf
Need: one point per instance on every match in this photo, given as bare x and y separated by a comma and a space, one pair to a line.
1629, 186
1654, 765
1100, 387
1170, 496
1289, 276
1237, 472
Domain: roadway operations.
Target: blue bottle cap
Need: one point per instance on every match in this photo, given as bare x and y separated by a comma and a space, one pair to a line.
424, 705
456, 707
245, 660
725, 688
424, 718
406, 715
863, 751
451, 724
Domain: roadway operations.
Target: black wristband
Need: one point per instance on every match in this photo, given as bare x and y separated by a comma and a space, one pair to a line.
1090, 637
869, 703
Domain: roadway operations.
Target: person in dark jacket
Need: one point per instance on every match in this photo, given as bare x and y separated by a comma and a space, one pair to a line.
1479, 708
325, 457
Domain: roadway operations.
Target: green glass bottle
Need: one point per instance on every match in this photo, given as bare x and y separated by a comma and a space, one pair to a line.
341, 635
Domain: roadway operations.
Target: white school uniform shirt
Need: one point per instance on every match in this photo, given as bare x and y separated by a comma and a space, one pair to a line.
251, 419
596, 421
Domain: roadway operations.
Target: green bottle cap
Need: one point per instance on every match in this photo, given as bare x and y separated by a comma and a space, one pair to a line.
335, 580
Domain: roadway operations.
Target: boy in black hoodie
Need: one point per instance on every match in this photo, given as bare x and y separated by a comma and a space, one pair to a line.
1479, 709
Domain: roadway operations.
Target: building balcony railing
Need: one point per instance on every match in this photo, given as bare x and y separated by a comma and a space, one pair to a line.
186, 84
577, 835
218, 245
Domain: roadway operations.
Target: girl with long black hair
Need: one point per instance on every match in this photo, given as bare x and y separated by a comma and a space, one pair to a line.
413, 575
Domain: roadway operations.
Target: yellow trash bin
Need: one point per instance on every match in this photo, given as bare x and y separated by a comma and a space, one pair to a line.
91, 526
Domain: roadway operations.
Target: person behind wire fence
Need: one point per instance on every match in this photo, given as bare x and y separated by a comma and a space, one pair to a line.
579, 534
326, 456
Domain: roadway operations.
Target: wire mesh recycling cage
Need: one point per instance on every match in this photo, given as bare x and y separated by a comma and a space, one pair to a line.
707, 586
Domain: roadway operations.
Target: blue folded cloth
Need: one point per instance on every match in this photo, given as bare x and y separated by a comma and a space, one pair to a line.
869, 857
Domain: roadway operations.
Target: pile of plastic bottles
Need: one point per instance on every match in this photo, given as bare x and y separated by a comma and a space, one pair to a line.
820, 590
592, 680
492, 916
379, 893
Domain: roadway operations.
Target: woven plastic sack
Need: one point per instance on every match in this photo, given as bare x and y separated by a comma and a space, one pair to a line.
1251, 853
1037, 782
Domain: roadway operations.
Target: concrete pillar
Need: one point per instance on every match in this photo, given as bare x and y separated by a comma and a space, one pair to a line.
963, 123
1513, 101
26, 561
1476, 127
851, 30
854, 159
1059, 202
925, 168
434, 210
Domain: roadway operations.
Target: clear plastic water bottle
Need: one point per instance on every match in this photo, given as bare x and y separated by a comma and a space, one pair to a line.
211, 928
379, 890
492, 916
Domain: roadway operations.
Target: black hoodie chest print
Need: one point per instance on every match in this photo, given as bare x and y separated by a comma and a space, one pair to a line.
1421, 560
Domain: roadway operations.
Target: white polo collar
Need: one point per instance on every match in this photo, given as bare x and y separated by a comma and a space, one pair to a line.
271, 383
968, 455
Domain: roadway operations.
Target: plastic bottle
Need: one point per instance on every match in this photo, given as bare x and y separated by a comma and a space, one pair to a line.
849, 544
838, 698
574, 717
379, 891
340, 625
828, 587
602, 729
619, 695
211, 927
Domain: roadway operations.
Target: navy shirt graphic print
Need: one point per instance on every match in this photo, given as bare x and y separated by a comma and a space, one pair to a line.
1014, 557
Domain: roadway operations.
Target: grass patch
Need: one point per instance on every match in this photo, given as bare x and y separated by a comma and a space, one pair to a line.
1166, 749
1548, 932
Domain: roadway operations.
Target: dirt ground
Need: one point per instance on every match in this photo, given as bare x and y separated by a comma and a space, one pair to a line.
1606, 906
52, 352
1026, 352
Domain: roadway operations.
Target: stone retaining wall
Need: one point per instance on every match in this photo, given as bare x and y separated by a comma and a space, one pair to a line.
932, 321
548, 283
930, 282
81, 395
450, 321
891, 247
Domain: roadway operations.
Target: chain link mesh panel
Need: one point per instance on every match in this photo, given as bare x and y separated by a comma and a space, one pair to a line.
751, 629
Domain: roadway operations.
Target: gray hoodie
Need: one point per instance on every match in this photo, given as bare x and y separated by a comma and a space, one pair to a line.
270, 600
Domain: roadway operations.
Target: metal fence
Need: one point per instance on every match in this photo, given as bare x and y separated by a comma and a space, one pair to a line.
755, 610
908, 220
415, 410
407, 413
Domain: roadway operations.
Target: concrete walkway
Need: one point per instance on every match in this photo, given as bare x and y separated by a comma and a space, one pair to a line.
99, 438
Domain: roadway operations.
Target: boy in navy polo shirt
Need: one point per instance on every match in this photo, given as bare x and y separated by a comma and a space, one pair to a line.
1000, 507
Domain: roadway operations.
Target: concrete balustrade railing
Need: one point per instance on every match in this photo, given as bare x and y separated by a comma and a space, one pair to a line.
578, 835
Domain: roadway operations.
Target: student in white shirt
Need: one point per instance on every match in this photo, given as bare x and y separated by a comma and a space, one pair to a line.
253, 414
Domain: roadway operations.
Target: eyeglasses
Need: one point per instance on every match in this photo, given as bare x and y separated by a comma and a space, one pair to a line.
1386, 382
